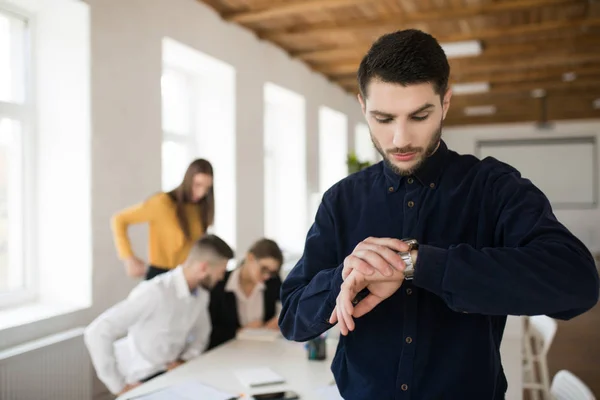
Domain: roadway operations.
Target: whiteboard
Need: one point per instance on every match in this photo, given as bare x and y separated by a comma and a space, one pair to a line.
566, 170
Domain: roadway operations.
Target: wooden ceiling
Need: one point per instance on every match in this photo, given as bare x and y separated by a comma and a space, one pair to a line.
527, 45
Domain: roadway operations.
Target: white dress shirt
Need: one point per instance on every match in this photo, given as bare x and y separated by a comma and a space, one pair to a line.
160, 321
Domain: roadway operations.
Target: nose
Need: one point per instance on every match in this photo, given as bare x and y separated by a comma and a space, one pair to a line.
400, 138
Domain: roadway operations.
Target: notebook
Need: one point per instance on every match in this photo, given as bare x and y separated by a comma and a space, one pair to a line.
259, 376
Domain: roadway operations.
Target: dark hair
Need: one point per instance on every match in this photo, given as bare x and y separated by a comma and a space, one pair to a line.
267, 248
182, 194
405, 57
210, 247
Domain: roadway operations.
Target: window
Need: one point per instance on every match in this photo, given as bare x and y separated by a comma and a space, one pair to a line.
285, 203
198, 117
333, 147
15, 276
179, 137
363, 146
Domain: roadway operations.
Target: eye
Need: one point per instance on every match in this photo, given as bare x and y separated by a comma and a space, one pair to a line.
383, 120
419, 117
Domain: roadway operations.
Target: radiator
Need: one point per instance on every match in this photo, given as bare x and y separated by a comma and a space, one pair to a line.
57, 367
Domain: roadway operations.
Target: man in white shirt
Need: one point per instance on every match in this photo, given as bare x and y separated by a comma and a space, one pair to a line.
163, 322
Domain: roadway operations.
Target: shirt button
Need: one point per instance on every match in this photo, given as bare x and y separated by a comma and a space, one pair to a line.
432, 185
409, 291
411, 203
410, 180
404, 387
409, 340
391, 189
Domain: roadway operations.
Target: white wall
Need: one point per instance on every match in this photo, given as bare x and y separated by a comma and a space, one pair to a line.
126, 125
585, 223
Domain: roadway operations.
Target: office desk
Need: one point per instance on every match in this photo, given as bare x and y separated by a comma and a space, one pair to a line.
215, 368
288, 359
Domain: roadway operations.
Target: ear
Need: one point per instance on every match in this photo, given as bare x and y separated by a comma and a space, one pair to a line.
202, 267
446, 103
250, 258
363, 103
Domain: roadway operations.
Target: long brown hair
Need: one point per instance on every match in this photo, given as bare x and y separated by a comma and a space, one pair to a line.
182, 195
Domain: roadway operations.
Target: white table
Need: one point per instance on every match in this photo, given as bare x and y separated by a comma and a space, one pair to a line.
289, 359
215, 368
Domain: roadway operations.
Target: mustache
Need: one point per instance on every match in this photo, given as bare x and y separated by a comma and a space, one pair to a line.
404, 150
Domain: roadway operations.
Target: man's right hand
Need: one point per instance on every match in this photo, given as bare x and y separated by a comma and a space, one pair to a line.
128, 387
135, 267
376, 255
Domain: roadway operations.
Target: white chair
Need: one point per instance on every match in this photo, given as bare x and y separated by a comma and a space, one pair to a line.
537, 341
566, 386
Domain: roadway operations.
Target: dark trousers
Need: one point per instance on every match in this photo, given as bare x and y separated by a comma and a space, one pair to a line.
154, 271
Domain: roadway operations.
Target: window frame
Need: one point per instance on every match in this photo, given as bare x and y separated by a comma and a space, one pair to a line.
24, 114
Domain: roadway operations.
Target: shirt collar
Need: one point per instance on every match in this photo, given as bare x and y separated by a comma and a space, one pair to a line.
427, 174
233, 283
181, 286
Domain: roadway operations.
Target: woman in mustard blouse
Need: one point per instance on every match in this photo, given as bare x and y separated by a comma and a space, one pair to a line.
176, 220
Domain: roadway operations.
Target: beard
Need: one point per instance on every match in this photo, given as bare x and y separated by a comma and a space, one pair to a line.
207, 283
422, 153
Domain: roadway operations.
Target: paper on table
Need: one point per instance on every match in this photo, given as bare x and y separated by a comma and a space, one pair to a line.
261, 376
187, 391
262, 334
330, 392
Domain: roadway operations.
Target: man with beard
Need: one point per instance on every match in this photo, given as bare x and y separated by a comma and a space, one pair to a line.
422, 317
163, 323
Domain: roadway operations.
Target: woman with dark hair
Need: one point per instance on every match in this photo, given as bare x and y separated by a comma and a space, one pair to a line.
176, 220
248, 297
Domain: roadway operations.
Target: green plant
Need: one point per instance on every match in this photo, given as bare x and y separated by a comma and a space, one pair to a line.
354, 164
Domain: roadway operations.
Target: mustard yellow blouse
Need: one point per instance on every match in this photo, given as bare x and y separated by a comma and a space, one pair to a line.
168, 246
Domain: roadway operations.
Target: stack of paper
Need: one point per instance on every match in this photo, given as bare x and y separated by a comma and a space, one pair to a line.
261, 334
256, 377
187, 391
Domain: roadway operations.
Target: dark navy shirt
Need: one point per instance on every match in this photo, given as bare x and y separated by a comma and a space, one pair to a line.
490, 246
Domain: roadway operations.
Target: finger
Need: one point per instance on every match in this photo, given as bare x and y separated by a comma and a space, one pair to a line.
345, 304
346, 270
388, 254
366, 305
394, 244
333, 318
374, 260
353, 262
341, 322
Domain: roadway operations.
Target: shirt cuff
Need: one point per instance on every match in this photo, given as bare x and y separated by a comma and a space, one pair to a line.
430, 268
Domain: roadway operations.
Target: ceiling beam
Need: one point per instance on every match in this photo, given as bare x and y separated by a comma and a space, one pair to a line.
542, 74
491, 33
350, 54
395, 21
483, 64
285, 9
514, 94
507, 119
517, 99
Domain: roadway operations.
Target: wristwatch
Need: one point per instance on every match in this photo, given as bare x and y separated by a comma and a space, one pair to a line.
409, 271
